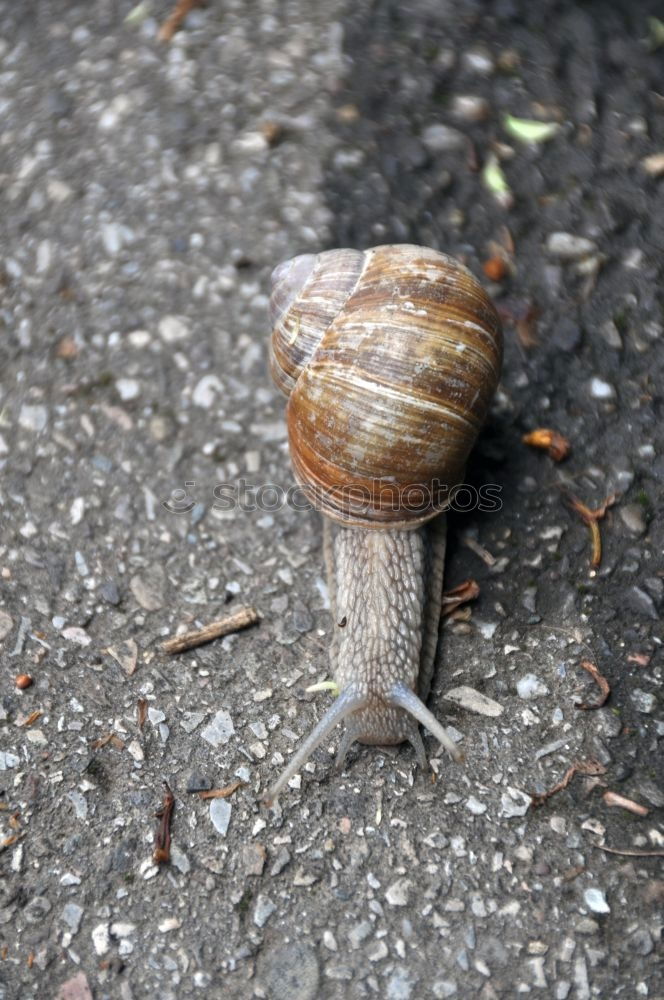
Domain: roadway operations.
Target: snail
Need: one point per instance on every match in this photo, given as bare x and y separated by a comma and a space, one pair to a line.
389, 358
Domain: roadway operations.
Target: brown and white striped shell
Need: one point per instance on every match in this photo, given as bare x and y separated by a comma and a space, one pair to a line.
389, 357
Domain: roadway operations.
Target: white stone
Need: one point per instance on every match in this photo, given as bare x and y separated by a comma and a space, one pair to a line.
595, 900
173, 328
220, 814
567, 246
206, 391
530, 686
441, 138
101, 939
128, 388
397, 893
33, 418
263, 910
475, 806
220, 730
473, 701
599, 389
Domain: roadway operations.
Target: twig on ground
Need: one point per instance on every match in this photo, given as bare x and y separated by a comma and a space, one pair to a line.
242, 618
141, 711
175, 19
105, 740
162, 840
630, 852
589, 766
591, 518
613, 799
479, 550
602, 684
222, 793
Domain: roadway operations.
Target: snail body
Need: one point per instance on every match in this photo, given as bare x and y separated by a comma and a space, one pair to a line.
389, 358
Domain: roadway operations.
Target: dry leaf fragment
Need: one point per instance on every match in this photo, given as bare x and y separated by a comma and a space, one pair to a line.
222, 793
602, 684
452, 599
557, 446
641, 659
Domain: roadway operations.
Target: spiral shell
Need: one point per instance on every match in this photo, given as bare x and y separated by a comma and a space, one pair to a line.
389, 358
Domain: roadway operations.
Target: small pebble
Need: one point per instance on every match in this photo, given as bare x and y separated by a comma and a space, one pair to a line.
599, 389
33, 418
220, 814
644, 701
474, 701
633, 518
397, 893
263, 910
219, 731
595, 900
530, 686
442, 139
72, 915
567, 246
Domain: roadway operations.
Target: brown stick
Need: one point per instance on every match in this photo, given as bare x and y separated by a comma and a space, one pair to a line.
242, 618
162, 839
630, 852
602, 684
591, 518
222, 793
175, 19
613, 799
557, 446
590, 766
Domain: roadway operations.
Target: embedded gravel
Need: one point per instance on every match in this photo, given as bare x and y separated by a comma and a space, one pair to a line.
147, 191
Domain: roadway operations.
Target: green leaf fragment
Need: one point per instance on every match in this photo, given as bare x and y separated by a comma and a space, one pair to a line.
138, 14
528, 130
655, 32
494, 178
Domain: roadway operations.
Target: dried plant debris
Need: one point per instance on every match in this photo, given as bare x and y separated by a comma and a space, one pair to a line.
631, 852
602, 684
175, 19
461, 594
556, 446
242, 618
529, 131
222, 793
590, 767
495, 181
591, 518
141, 712
162, 841
620, 802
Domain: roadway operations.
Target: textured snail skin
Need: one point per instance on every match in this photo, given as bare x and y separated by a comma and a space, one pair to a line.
389, 357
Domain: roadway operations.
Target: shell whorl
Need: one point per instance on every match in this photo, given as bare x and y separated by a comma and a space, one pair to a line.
389, 357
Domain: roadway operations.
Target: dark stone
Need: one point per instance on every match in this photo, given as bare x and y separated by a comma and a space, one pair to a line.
110, 592
197, 782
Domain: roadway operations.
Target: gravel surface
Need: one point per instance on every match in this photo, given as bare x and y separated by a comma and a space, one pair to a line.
147, 190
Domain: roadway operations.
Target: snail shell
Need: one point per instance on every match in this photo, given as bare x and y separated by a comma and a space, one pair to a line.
389, 357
